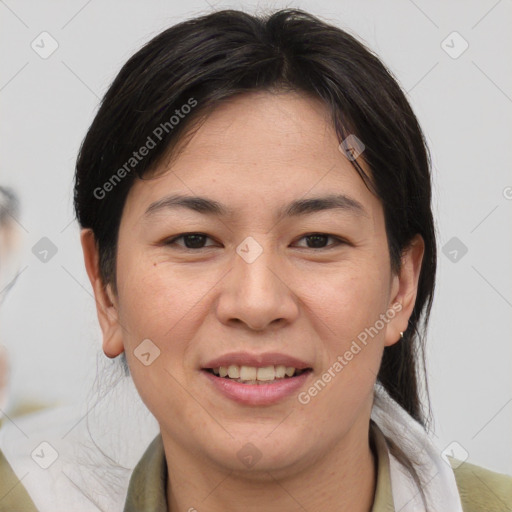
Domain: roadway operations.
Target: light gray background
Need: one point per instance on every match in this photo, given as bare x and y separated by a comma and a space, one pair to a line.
464, 105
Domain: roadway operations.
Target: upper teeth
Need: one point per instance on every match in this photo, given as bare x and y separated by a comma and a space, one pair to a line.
252, 373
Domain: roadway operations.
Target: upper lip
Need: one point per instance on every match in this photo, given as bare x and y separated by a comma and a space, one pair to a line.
256, 360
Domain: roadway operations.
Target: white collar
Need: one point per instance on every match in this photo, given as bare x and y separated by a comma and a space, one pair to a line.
433, 468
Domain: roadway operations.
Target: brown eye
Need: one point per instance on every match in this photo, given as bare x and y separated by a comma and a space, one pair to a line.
191, 240
319, 241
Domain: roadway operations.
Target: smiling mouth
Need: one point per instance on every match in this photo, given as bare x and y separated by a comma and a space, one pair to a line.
256, 375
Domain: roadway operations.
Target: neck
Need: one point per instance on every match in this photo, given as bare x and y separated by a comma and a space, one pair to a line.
342, 480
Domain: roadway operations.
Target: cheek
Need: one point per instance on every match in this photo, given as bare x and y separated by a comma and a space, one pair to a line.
346, 309
350, 300
160, 305
162, 302
348, 305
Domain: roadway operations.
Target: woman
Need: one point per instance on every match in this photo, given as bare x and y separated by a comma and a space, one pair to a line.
254, 196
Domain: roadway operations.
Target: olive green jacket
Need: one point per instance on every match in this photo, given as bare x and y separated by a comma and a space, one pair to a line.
480, 489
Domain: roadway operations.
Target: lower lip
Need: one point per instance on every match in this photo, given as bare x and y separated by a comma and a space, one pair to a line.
258, 394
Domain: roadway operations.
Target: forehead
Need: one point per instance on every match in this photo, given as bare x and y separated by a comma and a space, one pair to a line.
258, 149
262, 127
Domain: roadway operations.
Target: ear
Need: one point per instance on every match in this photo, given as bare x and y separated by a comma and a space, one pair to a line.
404, 289
106, 306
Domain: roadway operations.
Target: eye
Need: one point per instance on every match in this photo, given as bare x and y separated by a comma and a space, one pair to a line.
192, 240
318, 240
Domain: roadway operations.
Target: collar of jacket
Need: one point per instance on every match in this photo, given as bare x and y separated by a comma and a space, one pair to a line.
147, 488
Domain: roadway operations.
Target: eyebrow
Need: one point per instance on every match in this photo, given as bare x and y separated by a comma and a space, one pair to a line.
296, 208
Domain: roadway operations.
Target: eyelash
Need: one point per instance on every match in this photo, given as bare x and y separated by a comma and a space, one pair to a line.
338, 240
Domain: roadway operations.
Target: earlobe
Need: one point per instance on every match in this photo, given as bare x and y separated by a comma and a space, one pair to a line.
405, 290
106, 306
112, 336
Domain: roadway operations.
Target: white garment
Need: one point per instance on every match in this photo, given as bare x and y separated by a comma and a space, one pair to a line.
82, 478
86, 487
433, 468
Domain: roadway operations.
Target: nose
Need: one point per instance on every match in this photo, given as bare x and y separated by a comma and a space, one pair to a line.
257, 293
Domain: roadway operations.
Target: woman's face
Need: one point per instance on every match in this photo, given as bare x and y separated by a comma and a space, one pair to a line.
254, 283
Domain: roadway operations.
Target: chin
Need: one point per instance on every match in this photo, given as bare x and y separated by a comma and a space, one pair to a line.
257, 453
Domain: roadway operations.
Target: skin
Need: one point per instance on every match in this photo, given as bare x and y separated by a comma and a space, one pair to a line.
295, 298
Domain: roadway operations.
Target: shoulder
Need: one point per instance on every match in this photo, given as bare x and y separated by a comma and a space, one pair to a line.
13, 495
480, 489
